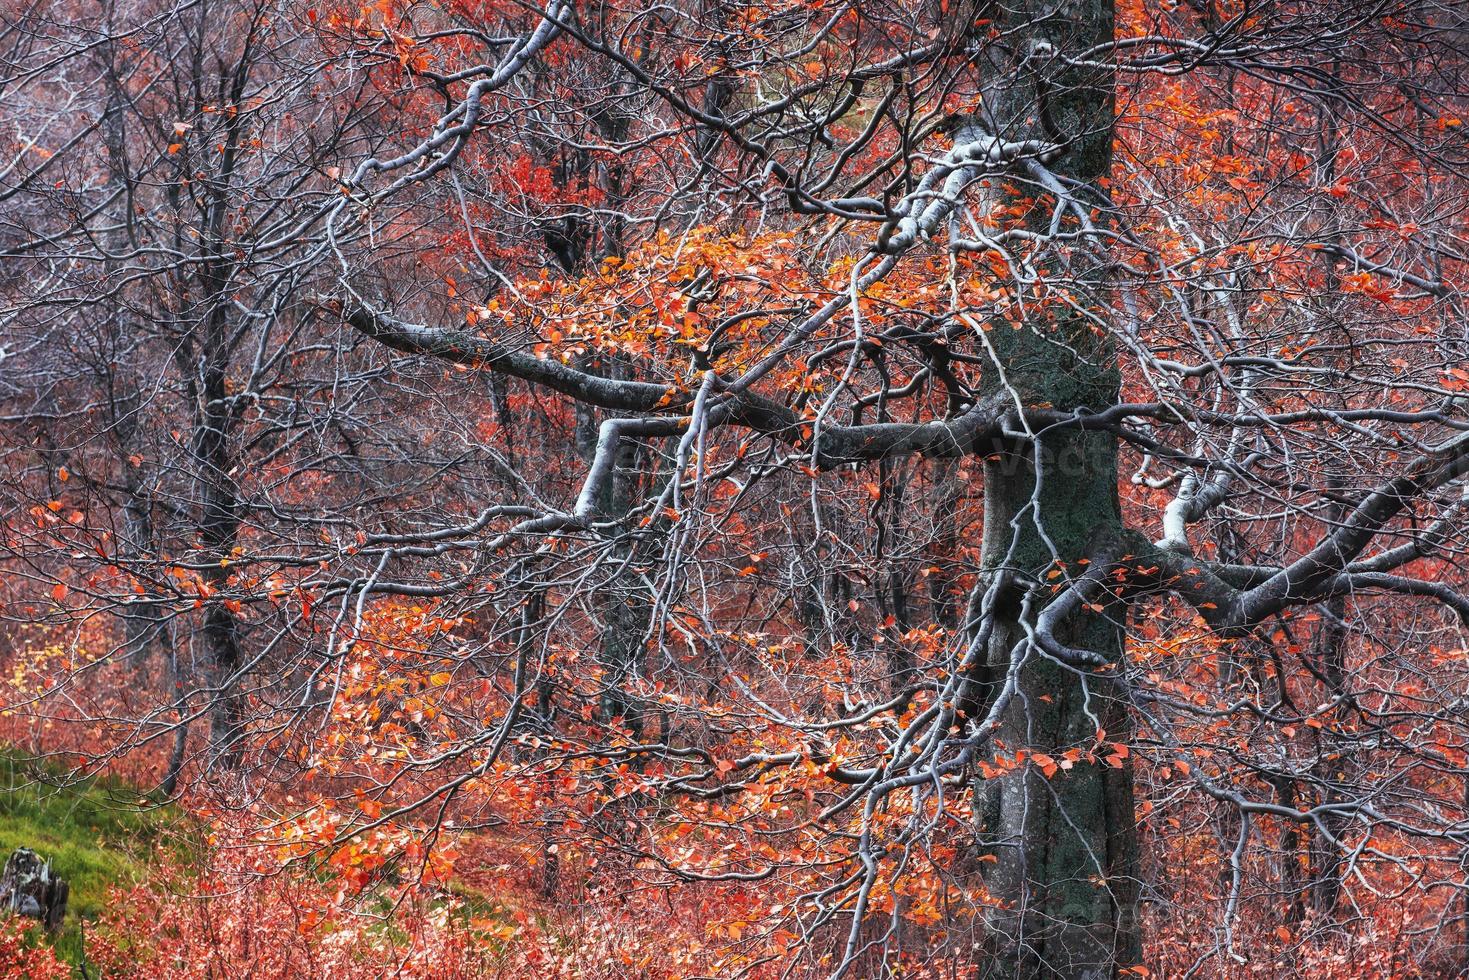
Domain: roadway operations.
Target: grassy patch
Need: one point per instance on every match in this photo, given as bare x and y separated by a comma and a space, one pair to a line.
96, 833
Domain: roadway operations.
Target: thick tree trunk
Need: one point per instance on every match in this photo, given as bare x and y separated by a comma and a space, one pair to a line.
1064, 846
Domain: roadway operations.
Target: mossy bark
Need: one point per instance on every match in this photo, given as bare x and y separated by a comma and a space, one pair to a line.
1064, 847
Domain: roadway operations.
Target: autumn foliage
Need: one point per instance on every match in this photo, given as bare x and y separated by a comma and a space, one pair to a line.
744, 489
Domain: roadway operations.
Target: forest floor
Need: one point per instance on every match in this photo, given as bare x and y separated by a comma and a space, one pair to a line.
97, 832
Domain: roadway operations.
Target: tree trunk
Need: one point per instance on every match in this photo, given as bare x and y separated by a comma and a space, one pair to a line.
625, 608
177, 753
143, 619
219, 529
1064, 847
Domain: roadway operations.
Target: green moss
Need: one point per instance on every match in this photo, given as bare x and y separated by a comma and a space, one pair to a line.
96, 832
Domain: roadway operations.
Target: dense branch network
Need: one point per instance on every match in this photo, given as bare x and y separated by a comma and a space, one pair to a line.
725, 396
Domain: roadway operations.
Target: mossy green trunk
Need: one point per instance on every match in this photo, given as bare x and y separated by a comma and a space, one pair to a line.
1063, 847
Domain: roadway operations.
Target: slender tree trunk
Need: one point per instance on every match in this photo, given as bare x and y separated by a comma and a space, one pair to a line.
1335, 757
943, 550
626, 609
142, 619
1064, 846
536, 718
177, 752
219, 529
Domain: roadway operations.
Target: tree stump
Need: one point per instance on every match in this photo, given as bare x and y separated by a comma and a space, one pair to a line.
27, 887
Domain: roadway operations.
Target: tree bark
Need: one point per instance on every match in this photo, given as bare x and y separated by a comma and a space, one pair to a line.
219, 529
1064, 870
29, 888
